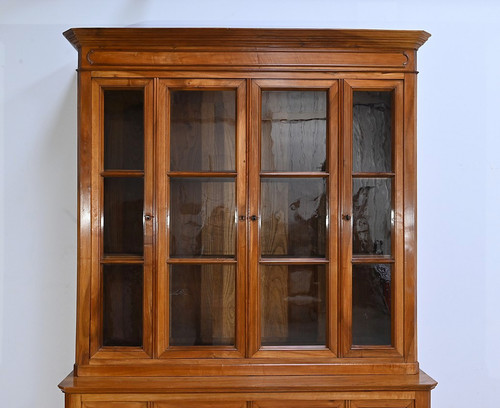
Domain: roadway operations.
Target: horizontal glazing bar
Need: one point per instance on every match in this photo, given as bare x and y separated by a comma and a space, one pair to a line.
201, 174
200, 261
122, 173
372, 259
122, 259
373, 175
304, 174
293, 261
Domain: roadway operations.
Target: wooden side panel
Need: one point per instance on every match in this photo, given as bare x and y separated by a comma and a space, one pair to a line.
423, 399
84, 218
410, 217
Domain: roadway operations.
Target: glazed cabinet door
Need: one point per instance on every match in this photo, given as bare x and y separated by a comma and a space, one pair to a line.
201, 204
372, 219
293, 218
122, 219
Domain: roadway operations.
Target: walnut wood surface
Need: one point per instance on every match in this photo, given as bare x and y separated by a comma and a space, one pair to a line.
248, 62
249, 38
228, 384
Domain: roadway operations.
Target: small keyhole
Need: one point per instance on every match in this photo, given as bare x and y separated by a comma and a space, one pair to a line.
253, 218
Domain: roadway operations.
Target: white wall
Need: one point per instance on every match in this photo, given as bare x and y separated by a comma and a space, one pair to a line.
459, 177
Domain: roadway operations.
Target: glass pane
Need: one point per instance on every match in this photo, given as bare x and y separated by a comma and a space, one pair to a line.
202, 130
293, 214
372, 216
124, 129
123, 211
122, 287
371, 304
293, 305
202, 305
294, 130
372, 131
202, 217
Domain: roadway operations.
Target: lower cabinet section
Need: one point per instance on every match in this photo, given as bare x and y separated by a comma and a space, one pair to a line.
348, 391
277, 401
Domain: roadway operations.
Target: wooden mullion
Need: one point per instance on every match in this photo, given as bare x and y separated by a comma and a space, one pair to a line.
149, 221
253, 145
332, 231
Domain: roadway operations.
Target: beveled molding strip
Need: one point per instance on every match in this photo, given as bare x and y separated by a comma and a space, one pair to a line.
265, 59
245, 38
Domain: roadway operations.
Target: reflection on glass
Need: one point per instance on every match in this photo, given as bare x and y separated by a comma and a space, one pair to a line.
122, 287
202, 130
124, 129
293, 305
371, 304
202, 305
294, 130
372, 131
293, 214
123, 211
202, 217
372, 221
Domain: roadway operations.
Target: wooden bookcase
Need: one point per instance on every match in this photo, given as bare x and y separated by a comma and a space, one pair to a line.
247, 219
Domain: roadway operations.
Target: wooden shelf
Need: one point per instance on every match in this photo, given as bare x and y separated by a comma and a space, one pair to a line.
247, 384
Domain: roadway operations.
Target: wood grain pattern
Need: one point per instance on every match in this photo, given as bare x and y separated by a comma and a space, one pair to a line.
228, 384
258, 340
251, 38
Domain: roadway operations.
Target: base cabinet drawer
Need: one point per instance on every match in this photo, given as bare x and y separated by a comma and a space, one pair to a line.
298, 404
383, 404
113, 404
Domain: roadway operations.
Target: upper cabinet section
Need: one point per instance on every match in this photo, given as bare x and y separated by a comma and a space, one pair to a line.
246, 49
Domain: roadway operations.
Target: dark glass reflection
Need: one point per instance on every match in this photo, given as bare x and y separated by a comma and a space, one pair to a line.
293, 217
202, 305
123, 212
124, 129
202, 217
372, 131
293, 305
202, 130
372, 216
371, 304
294, 130
122, 305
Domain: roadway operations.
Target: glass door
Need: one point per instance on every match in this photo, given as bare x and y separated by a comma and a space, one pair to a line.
122, 219
292, 218
201, 181
372, 227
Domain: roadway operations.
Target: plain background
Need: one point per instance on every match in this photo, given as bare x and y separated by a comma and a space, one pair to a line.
459, 177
